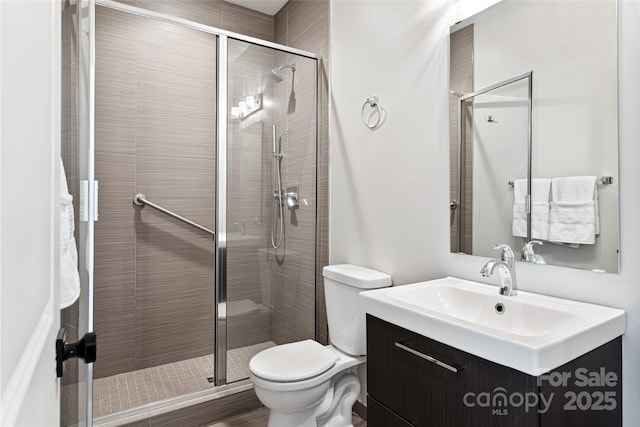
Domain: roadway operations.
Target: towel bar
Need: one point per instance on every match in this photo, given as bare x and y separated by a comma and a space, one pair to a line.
604, 180
374, 103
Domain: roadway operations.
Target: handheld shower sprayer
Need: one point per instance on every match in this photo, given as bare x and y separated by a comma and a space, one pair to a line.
278, 214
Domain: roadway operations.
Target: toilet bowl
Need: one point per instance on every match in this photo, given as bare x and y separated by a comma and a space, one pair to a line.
295, 382
306, 384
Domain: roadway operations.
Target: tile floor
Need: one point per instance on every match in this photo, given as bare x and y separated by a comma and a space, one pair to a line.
131, 389
258, 418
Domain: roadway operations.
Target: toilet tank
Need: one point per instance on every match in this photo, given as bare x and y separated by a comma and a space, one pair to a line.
347, 325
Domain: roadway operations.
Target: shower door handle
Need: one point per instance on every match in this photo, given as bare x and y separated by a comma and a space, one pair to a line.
85, 349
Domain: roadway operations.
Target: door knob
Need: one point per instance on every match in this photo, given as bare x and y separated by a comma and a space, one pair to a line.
84, 349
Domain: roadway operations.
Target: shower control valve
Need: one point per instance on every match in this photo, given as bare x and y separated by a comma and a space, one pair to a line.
291, 197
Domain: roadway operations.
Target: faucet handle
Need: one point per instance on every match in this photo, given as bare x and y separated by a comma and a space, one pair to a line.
506, 254
529, 245
528, 253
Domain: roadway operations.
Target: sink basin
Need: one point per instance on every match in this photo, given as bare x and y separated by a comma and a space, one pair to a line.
529, 332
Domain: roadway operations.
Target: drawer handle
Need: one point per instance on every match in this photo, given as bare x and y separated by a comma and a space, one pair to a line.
451, 368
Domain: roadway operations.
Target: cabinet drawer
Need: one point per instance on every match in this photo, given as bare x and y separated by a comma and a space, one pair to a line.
380, 416
425, 382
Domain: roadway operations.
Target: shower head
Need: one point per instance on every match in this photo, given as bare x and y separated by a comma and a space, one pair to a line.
277, 76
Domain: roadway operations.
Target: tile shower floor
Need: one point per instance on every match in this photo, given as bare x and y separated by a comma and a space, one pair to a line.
131, 389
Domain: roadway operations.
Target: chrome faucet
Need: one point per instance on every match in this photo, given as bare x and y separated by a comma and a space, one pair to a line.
507, 270
529, 255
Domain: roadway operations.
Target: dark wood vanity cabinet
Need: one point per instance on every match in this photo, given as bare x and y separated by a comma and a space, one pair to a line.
412, 381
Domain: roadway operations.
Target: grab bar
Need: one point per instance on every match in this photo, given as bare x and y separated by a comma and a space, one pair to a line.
140, 200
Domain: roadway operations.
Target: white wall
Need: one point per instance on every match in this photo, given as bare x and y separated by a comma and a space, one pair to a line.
381, 216
389, 188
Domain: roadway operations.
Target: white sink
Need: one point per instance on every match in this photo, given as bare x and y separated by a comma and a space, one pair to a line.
533, 333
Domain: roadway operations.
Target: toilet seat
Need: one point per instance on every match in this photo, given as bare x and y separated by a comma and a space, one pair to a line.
343, 362
293, 362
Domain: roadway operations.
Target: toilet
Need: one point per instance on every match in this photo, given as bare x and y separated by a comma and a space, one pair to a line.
306, 384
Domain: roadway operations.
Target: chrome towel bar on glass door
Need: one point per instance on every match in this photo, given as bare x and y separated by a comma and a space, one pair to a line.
139, 200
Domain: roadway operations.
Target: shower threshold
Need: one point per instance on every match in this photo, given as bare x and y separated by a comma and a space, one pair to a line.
160, 389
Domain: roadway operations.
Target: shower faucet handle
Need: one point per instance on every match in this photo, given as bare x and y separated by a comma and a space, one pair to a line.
291, 197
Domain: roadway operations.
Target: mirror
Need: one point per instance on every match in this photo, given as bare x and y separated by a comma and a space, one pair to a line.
534, 132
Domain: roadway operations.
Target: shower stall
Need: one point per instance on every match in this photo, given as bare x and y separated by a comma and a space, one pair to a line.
192, 156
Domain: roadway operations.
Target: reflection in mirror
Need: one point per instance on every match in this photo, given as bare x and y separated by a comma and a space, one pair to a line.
494, 123
571, 50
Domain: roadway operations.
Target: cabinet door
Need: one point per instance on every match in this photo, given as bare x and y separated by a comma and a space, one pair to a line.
429, 394
379, 416
590, 394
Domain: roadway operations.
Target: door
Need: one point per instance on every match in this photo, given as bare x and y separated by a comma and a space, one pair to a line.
29, 210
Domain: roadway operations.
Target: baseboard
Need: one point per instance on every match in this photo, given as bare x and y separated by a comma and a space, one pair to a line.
360, 409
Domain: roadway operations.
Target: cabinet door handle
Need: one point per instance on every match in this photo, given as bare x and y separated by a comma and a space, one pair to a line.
452, 368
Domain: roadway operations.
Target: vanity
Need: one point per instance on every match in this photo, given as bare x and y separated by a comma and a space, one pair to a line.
452, 352
533, 130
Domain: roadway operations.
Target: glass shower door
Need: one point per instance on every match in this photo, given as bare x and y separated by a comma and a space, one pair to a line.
271, 201
155, 136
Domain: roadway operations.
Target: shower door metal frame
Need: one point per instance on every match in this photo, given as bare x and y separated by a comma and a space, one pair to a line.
461, 149
223, 36
88, 197
220, 294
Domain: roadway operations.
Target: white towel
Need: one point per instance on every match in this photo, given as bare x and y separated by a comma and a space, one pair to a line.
69, 277
540, 221
573, 216
540, 191
519, 224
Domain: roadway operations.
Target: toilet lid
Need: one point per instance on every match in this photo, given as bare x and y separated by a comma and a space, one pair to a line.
292, 362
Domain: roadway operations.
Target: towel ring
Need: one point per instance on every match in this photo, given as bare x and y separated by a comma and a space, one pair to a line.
372, 102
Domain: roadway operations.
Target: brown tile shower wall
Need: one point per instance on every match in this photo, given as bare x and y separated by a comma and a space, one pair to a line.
215, 13
303, 24
461, 80
155, 134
